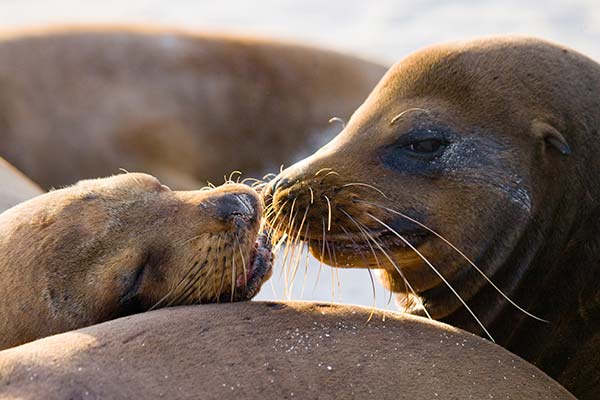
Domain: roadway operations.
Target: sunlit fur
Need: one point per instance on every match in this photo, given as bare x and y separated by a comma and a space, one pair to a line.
71, 257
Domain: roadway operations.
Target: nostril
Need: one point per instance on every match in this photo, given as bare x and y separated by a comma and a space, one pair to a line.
282, 184
248, 204
279, 183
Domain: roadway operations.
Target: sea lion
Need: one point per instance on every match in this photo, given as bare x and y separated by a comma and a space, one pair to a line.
470, 179
270, 351
110, 247
83, 102
14, 186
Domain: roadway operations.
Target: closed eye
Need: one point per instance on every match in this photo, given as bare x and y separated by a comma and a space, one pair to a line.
132, 283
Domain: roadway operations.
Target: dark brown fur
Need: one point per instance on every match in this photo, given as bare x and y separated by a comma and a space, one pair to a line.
515, 186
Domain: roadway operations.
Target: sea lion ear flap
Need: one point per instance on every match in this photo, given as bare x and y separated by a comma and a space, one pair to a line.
551, 136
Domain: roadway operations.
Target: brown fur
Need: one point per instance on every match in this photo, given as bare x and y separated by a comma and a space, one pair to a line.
109, 247
270, 351
14, 186
83, 102
513, 182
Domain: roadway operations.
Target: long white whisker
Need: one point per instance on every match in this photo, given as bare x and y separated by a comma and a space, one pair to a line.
396, 267
436, 272
460, 253
365, 185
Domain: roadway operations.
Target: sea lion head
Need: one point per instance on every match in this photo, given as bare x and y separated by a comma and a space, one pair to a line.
109, 247
465, 158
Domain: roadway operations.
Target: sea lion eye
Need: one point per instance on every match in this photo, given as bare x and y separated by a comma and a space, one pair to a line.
425, 147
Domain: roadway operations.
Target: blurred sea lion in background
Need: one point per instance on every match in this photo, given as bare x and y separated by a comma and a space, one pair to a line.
14, 186
83, 102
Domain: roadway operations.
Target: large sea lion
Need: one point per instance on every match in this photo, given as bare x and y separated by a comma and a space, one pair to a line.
110, 247
83, 102
270, 351
470, 179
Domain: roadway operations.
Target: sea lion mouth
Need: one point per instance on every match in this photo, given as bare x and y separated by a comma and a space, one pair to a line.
360, 242
258, 269
352, 249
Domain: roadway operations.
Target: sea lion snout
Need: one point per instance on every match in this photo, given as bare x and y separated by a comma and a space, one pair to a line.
244, 206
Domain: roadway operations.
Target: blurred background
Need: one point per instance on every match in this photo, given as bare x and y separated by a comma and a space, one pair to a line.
385, 30
382, 30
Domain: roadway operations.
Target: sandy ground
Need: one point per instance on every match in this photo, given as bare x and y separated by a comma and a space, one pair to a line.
384, 30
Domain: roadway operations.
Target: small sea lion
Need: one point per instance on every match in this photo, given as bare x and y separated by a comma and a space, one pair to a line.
109, 247
470, 179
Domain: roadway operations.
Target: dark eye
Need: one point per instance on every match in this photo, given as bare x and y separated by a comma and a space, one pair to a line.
425, 146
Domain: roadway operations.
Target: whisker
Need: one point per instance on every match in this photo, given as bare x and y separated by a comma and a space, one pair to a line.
389, 258
189, 288
252, 180
289, 251
337, 119
436, 272
322, 170
297, 263
176, 287
329, 213
233, 277
223, 275
305, 268
243, 260
322, 256
365, 185
397, 117
460, 253
357, 248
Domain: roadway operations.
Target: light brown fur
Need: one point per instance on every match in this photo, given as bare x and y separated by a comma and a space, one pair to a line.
82, 102
512, 181
270, 351
110, 247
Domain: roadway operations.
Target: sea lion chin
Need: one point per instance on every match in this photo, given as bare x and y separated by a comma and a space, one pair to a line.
469, 179
110, 247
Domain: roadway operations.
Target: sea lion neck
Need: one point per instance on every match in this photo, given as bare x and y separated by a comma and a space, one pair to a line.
550, 276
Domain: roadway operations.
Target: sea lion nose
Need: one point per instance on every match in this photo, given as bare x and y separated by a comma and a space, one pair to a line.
237, 205
279, 182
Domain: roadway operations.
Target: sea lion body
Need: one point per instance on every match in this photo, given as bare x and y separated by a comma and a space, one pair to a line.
270, 351
83, 102
110, 247
471, 165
